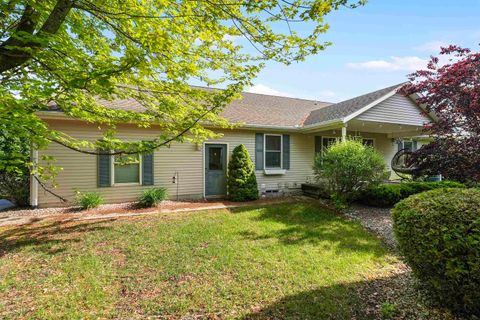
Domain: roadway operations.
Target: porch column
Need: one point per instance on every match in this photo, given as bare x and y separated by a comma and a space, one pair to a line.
344, 132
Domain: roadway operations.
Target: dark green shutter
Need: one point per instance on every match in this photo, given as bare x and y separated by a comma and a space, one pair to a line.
259, 151
104, 169
286, 152
318, 144
415, 145
147, 169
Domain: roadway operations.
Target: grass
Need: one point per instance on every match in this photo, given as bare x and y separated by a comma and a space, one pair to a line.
294, 261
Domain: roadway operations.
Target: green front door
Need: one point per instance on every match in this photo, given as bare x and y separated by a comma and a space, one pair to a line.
215, 169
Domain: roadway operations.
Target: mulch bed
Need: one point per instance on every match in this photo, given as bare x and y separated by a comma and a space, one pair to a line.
27, 215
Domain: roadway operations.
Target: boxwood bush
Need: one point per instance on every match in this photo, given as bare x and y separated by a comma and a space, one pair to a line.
438, 233
387, 195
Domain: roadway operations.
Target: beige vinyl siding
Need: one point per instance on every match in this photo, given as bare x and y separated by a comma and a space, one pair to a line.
79, 171
301, 156
397, 109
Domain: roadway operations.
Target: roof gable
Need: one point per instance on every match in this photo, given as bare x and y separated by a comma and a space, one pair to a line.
397, 109
349, 107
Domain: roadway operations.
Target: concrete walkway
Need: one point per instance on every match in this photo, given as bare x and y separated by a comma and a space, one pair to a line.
16, 220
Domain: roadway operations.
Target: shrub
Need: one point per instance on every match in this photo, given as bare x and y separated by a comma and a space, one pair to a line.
241, 180
89, 200
152, 197
438, 232
387, 195
15, 187
348, 168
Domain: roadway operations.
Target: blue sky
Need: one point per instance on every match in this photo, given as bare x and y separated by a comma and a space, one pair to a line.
373, 47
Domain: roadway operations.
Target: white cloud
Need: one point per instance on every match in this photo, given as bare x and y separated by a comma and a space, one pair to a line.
263, 89
431, 46
409, 63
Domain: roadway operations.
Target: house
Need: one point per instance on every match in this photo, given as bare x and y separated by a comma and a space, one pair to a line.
281, 134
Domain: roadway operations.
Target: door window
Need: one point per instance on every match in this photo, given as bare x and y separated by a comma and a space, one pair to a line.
215, 158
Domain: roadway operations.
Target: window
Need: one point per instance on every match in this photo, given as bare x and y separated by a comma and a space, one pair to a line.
368, 142
126, 169
215, 158
273, 151
408, 145
327, 142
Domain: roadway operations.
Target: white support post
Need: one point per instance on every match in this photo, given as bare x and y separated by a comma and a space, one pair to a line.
344, 133
33, 180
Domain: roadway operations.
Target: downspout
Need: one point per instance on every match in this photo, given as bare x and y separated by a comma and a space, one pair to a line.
33, 178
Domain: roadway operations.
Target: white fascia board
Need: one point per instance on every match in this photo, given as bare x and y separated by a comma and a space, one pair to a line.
337, 123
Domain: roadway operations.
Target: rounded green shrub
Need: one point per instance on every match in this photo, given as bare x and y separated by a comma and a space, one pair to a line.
241, 180
387, 195
88, 200
438, 233
152, 197
348, 168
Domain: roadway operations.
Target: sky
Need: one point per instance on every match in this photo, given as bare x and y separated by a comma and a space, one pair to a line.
374, 46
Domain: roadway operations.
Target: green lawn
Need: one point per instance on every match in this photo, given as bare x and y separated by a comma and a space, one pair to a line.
280, 261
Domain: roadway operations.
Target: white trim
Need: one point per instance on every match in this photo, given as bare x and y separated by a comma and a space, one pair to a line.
33, 180
227, 158
265, 150
272, 172
336, 123
371, 105
121, 184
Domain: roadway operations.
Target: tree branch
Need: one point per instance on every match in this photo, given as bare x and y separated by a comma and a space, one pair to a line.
11, 53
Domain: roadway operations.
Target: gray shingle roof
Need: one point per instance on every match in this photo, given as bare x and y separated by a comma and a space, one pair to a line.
347, 107
260, 109
266, 110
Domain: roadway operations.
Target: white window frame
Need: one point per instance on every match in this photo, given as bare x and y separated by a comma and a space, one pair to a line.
112, 174
373, 140
265, 150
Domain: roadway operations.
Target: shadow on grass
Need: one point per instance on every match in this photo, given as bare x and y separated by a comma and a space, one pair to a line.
309, 223
50, 237
357, 300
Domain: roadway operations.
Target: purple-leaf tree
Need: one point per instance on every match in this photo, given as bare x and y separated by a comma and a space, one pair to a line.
451, 92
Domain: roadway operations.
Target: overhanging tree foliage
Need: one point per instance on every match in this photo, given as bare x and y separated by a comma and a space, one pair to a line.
76, 55
452, 92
